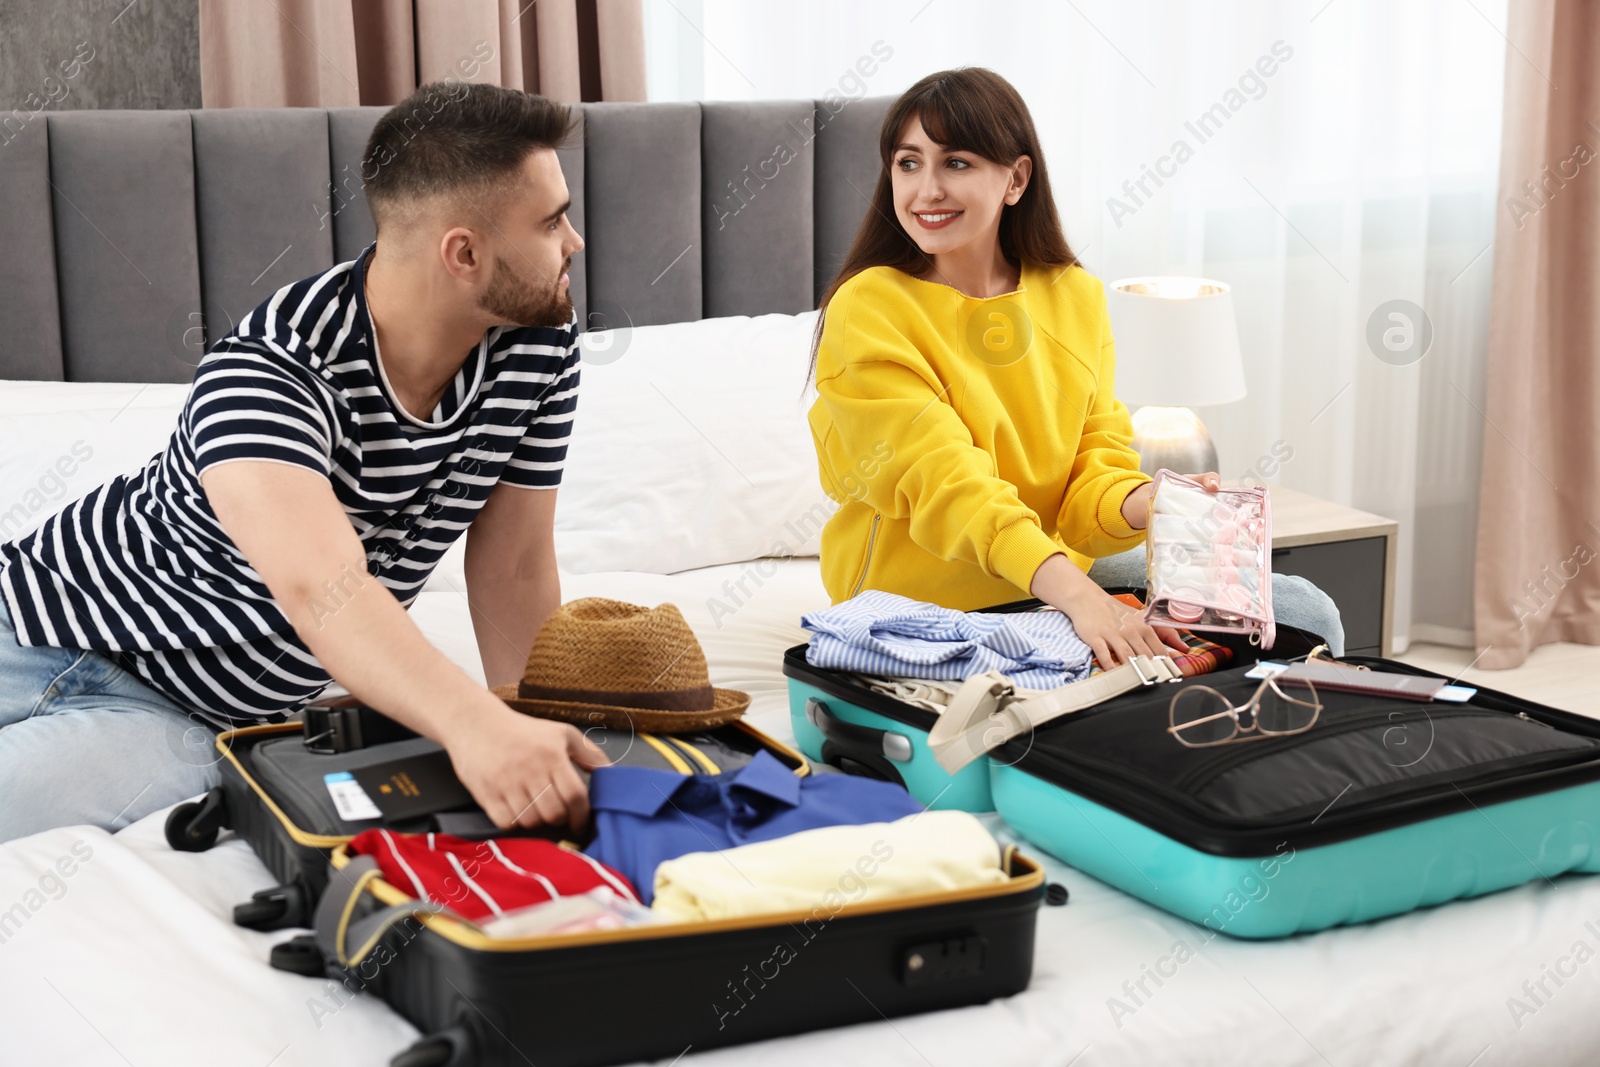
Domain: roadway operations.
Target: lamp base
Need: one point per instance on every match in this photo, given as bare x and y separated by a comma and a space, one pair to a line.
1173, 438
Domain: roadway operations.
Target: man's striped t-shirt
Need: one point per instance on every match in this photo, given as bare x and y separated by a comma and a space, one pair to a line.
141, 570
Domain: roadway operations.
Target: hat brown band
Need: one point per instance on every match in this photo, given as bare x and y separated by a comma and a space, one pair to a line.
698, 698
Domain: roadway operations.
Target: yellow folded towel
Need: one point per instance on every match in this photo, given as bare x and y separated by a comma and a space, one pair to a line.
823, 870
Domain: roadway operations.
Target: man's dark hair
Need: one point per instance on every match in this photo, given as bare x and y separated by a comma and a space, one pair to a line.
457, 137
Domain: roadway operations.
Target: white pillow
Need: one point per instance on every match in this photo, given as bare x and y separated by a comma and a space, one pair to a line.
691, 448
63, 439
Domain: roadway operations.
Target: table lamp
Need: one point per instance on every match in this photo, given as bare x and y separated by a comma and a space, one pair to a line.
1177, 348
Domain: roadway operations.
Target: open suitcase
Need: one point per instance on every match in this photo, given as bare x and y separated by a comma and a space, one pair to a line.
842, 723
601, 997
272, 795
654, 992
1386, 805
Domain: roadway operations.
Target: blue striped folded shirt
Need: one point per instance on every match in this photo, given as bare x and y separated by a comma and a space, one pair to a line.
894, 636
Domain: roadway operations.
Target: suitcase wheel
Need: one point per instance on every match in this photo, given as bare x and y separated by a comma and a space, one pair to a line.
193, 826
275, 909
299, 955
447, 1048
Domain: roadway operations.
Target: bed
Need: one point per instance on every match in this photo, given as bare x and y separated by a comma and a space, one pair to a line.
691, 481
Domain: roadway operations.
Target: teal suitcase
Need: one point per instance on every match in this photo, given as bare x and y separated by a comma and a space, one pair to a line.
1384, 806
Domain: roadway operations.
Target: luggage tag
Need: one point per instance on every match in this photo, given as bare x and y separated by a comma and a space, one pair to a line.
349, 799
1451, 694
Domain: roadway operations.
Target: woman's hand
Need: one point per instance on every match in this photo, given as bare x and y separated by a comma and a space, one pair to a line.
1136, 505
1112, 629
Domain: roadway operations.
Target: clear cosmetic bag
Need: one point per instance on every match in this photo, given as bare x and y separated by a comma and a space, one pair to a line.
1208, 558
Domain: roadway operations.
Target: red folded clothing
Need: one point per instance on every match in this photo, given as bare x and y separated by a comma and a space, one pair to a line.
483, 879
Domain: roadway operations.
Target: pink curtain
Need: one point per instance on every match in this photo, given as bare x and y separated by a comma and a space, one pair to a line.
1538, 552
340, 53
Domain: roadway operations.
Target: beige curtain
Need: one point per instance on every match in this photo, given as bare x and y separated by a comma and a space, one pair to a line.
1538, 550
340, 53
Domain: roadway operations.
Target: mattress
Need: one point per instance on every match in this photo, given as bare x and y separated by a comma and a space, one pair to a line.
131, 958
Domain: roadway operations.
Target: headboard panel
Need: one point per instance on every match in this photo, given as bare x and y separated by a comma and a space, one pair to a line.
574, 166
129, 239
642, 202
251, 166
348, 130
759, 165
127, 254
847, 172
30, 309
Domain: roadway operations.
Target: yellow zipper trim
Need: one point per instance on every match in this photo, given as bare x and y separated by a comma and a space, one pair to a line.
872, 539
794, 759
1026, 874
299, 836
696, 755
325, 841
349, 908
675, 761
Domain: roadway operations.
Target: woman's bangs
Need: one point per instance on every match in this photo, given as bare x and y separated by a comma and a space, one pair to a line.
957, 126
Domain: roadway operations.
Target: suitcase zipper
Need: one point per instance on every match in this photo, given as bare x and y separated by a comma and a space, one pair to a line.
865, 563
1131, 796
1226, 756
1230, 756
1198, 778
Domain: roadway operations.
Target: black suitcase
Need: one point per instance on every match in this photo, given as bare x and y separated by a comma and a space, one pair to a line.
617, 996
293, 827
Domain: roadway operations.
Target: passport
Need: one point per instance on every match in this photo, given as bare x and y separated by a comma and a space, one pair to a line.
414, 785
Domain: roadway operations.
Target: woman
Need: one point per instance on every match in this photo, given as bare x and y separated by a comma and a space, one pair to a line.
965, 419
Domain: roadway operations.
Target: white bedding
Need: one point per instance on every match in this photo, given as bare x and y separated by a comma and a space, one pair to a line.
132, 959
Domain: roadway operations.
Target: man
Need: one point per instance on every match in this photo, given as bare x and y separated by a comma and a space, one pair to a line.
330, 450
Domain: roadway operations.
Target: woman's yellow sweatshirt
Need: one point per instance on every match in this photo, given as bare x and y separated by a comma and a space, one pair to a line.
967, 440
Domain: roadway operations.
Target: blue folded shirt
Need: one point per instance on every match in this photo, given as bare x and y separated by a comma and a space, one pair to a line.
887, 634
644, 817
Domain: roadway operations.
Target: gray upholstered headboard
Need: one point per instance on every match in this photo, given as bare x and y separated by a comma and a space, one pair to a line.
130, 238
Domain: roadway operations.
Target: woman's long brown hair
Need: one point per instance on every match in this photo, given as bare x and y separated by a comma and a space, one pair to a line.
969, 109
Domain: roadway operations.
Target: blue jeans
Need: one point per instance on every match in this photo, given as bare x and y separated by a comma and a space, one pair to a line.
84, 741
1295, 601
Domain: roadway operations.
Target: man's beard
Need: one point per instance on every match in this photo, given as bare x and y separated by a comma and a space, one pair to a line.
512, 297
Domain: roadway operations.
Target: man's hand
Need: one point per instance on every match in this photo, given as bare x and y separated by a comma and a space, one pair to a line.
520, 769
1112, 629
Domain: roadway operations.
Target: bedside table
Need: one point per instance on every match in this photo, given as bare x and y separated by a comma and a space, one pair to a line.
1348, 554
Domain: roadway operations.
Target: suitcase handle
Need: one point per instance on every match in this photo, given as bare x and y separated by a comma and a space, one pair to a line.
859, 749
344, 724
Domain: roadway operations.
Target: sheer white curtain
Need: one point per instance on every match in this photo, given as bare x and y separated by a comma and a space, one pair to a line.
1324, 157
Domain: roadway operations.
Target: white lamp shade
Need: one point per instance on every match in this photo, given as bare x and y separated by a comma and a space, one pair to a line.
1177, 342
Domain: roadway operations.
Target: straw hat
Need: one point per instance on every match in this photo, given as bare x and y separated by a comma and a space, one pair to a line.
602, 662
